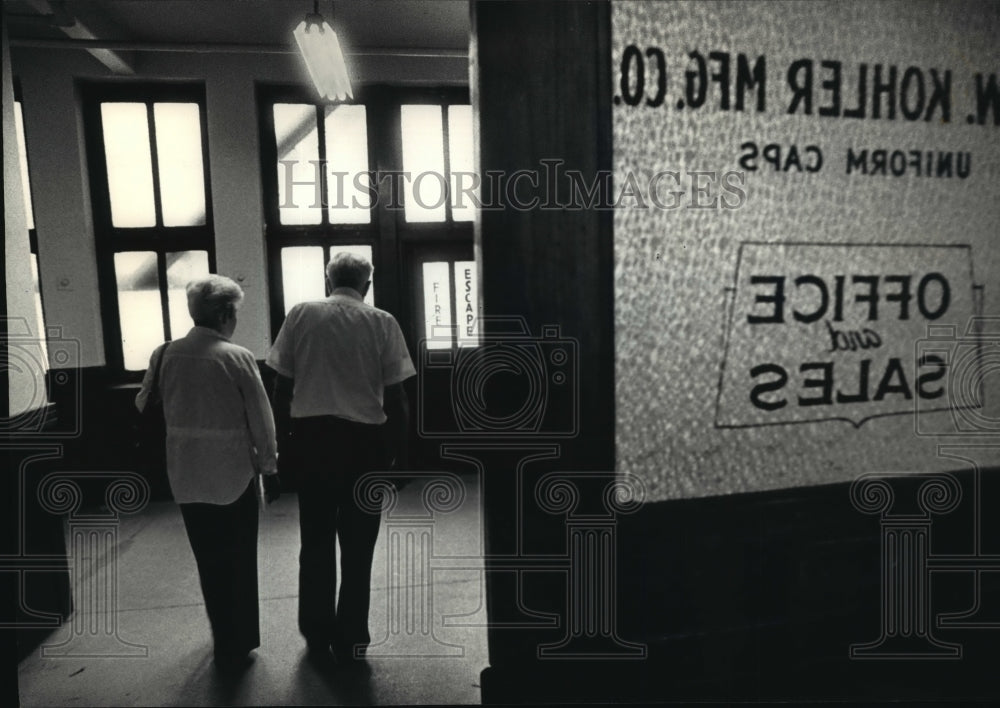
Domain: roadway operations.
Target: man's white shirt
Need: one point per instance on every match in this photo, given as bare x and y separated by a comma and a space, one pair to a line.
341, 354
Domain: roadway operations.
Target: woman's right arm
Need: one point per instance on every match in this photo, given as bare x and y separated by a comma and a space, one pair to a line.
258, 415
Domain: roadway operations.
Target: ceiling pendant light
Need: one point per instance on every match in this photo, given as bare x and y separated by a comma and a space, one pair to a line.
321, 52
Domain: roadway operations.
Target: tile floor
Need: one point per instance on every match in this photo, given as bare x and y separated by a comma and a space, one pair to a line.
427, 618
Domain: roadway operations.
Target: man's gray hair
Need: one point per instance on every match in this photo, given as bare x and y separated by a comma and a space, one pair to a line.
212, 298
349, 270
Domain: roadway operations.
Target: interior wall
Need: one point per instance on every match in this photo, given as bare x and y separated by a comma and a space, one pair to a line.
26, 378
57, 158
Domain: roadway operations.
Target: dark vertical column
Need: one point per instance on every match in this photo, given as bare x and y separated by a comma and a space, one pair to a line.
386, 152
9, 489
541, 95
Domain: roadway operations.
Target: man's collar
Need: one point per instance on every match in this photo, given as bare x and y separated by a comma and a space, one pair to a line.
209, 332
348, 292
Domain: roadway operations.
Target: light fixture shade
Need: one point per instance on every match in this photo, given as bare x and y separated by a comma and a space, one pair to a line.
324, 59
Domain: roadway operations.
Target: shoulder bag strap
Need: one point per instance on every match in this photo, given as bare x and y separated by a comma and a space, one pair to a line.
154, 391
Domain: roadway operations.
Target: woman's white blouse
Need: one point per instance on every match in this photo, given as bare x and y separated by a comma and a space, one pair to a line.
220, 429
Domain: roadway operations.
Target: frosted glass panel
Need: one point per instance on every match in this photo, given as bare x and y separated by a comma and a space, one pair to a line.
182, 268
467, 303
364, 252
130, 166
424, 193
22, 158
179, 158
297, 137
437, 306
302, 275
347, 152
139, 307
303, 272
461, 159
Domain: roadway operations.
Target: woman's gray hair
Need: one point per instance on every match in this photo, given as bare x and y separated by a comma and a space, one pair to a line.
349, 270
212, 298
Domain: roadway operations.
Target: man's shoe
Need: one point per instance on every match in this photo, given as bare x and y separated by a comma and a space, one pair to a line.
233, 662
319, 652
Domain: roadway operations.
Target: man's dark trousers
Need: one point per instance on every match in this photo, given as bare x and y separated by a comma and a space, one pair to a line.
332, 454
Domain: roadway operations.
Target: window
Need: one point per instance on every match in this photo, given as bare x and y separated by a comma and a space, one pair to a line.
437, 154
438, 210
22, 154
315, 159
388, 176
307, 138
148, 156
304, 272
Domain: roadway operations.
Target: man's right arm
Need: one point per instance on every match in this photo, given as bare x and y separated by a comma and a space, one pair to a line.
281, 359
396, 367
282, 397
397, 411
282, 403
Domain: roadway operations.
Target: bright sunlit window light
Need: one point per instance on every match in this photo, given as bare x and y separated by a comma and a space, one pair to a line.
321, 52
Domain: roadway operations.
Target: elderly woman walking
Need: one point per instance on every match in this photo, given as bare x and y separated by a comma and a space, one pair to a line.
220, 434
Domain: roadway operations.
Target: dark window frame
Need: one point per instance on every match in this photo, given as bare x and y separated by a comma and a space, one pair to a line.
391, 237
110, 239
324, 234
32, 232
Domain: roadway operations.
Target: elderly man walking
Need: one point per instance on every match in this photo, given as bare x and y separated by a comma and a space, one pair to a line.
341, 363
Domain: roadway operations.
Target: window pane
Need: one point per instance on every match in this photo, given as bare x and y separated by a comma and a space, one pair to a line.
366, 253
302, 275
39, 313
347, 151
423, 157
182, 268
139, 307
461, 162
467, 303
22, 155
437, 306
297, 137
130, 166
179, 159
